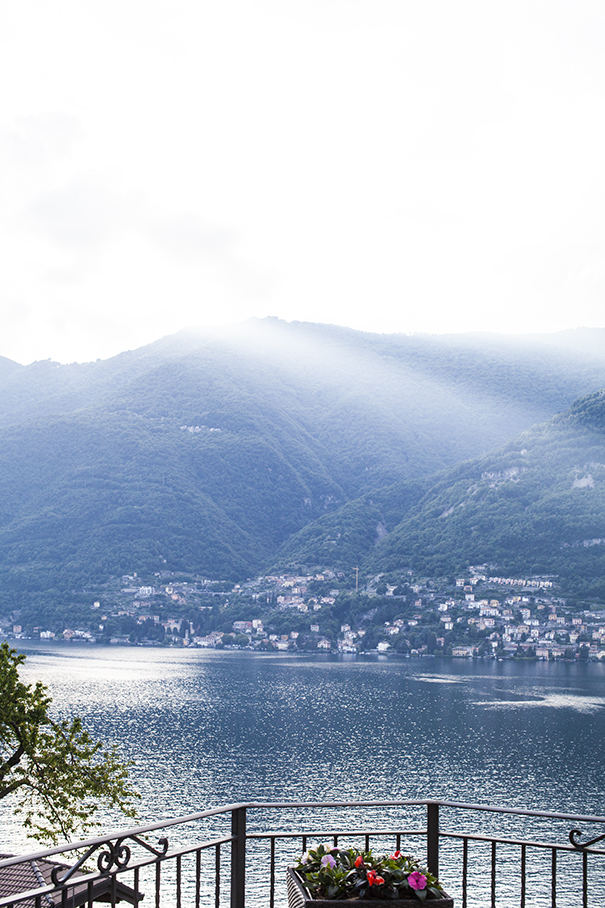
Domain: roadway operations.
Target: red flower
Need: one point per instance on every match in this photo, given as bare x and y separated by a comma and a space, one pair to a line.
397, 854
373, 879
358, 861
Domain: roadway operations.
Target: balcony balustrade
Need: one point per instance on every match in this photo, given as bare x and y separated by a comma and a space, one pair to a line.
236, 855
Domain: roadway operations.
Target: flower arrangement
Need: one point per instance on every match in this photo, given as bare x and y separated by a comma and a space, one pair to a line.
345, 873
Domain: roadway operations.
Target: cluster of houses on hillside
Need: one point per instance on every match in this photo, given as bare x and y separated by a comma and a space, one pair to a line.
476, 615
543, 631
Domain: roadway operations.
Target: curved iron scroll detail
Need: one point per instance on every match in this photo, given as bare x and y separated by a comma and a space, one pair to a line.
158, 852
115, 855
118, 854
573, 838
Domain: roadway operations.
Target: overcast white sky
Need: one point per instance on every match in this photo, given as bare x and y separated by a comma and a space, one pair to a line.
391, 165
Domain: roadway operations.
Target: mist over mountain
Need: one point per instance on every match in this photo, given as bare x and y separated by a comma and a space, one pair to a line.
536, 506
212, 452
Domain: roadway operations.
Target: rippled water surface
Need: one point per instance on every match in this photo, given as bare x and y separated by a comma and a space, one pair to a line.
208, 728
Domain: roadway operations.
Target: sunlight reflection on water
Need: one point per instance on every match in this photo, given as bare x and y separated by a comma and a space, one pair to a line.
587, 705
208, 728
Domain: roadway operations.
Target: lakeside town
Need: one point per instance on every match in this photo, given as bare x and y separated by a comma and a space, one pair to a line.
476, 615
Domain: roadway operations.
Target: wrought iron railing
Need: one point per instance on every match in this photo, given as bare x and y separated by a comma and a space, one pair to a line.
484, 855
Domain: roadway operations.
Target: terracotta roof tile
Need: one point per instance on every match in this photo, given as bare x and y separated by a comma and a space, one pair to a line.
26, 876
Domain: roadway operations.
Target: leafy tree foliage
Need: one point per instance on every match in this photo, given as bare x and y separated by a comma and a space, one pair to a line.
53, 773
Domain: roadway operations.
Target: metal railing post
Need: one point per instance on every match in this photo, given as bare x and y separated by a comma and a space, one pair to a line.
238, 857
432, 837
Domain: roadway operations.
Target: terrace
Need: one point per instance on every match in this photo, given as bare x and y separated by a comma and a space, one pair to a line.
236, 855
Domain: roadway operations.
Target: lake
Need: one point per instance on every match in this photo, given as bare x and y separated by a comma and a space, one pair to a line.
207, 728
210, 727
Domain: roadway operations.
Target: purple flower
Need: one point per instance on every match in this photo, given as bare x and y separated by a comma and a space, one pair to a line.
417, 880
304, 859
328, 861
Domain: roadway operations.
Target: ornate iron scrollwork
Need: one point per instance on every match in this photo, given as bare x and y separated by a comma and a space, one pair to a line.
118, 854
158, 852
115, 854
573, 838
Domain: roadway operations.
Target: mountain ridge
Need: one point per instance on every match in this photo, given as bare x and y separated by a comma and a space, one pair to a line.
534, 507
211, 453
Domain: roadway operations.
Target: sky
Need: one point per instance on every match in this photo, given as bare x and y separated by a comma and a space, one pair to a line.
389, 165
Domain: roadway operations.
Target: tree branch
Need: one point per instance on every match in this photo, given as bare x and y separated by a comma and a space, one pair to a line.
12, 761
8, 789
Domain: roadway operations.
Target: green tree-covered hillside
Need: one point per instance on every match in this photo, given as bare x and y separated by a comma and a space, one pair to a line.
209, 452
536, 506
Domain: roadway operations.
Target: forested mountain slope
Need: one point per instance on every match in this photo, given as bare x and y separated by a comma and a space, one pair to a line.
207, 452
536, 506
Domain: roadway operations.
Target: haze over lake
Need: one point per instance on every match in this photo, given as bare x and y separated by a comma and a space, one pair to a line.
210, 727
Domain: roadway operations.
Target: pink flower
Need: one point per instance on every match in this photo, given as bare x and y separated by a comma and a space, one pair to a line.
328, 861
417, 880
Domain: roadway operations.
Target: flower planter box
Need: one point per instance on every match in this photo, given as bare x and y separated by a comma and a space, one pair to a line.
300, 897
